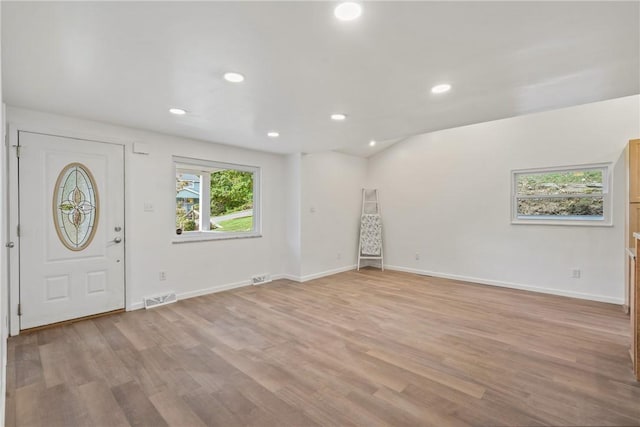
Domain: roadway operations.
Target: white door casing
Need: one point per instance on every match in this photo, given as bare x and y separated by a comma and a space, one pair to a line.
69, 269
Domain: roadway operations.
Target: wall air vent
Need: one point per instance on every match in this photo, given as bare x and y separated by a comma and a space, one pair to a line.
260, 279
158, 300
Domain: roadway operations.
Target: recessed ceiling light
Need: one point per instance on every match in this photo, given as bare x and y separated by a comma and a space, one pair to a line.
442, 88
273, 134
177, 111
372, 143
348, 11
338, 116
233, 77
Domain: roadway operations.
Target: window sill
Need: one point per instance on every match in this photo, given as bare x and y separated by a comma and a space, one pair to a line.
205, 237
572, 223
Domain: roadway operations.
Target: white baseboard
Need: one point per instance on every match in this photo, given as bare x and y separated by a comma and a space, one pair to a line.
213, 289
326, 273
308, 277
288, 277
226, 287
200, 292
135, 306
560, 292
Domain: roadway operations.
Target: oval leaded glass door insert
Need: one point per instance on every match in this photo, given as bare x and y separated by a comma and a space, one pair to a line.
75, 206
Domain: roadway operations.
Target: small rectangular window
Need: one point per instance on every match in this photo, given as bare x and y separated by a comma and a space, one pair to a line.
216, 200
573, 195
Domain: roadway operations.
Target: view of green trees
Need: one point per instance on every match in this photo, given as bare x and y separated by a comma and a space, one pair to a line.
231, 191
183, 221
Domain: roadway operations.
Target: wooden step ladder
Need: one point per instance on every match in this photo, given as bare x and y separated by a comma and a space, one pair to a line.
370, 242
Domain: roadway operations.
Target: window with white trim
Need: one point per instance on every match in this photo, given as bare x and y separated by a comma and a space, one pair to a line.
216, 200
570, 195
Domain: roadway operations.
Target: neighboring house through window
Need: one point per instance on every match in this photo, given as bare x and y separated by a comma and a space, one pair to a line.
188, 193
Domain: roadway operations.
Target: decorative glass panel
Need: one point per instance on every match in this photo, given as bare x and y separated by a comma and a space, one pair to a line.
75, 206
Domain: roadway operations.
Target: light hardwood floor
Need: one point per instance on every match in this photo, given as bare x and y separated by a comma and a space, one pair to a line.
359, 348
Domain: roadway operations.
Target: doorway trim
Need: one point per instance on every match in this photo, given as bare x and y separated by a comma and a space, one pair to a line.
13, 264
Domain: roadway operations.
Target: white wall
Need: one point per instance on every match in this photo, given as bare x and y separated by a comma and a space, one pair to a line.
293, 227
4, 285
446, 196
296, 243
195, 267
331, 202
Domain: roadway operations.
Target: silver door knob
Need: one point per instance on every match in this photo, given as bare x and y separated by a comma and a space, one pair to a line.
117, 240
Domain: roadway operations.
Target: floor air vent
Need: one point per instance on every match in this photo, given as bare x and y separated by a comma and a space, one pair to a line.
157, 301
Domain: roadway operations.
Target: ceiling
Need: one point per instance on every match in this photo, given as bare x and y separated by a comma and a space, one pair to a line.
128, 63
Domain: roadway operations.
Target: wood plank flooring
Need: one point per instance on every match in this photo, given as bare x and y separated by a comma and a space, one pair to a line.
362, 348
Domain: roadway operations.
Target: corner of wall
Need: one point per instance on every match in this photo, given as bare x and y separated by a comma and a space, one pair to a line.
293, 232
331, 194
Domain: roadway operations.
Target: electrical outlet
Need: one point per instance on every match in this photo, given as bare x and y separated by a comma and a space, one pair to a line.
417, 256
162, 276
576, 273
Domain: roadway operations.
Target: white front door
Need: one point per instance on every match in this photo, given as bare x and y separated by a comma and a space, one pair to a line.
71, 233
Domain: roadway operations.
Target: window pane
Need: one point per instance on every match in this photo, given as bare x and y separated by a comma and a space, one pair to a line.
231, 201
585, 207
187, 201
560, 183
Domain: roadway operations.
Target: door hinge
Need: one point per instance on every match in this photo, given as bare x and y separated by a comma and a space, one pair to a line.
17, 151
19, 309
18, 230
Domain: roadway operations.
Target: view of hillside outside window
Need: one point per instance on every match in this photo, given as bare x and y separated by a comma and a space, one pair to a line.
216, 199
578, 194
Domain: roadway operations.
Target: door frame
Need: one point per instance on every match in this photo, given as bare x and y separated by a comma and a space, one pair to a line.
13, 264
